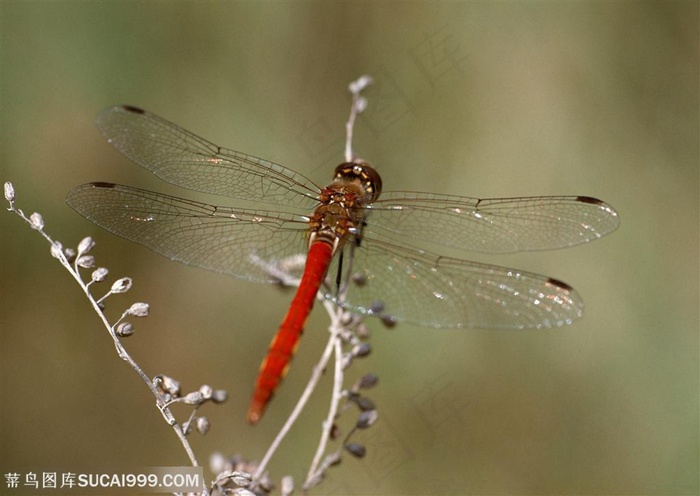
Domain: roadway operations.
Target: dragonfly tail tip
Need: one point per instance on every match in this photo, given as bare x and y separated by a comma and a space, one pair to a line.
254, 414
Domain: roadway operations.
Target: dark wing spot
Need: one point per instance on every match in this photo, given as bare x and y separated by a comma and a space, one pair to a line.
131, 108
589, 199
559, 284
103, 185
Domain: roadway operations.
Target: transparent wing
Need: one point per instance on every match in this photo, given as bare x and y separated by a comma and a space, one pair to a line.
237, 242
429, 290
413, 285
184, 159
497, 225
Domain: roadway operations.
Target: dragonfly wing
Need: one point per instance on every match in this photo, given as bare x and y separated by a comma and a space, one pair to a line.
425, 289
244, 243
497, 225
186, 160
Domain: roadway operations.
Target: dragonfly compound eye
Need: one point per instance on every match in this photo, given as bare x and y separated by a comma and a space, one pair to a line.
363, 173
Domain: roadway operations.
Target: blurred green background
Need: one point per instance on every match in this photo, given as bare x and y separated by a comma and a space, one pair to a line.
477, 99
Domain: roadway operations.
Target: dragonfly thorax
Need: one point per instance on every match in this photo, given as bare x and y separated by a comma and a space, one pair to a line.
341, 208
338, 214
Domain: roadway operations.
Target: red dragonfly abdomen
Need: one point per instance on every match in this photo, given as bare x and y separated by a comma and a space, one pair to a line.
284, 344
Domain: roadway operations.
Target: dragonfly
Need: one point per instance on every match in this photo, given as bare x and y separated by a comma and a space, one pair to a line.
387, 242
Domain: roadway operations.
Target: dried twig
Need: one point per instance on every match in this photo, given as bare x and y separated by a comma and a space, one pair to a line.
165, 389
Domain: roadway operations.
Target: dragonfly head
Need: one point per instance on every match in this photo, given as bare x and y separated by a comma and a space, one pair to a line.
363, 174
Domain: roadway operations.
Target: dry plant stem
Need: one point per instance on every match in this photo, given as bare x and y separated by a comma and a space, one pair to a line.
333, 343
336, 311
121, 351
337, 393
357, 106
348, 131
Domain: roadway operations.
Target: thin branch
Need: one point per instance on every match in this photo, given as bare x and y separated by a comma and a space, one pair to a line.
336, 395
82, 260
359, 103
